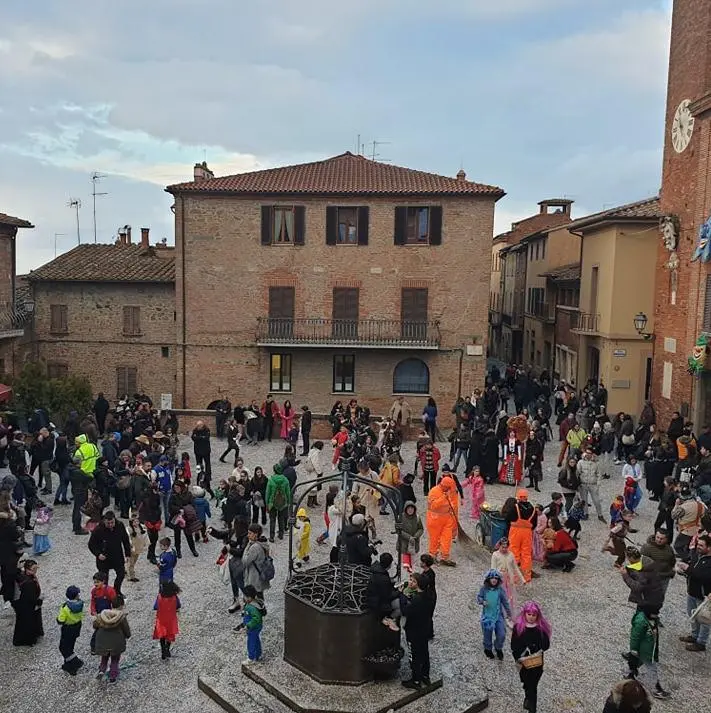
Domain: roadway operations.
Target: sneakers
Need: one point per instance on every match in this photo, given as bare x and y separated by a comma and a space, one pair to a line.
234, 607
660, 693
100, 674
390, 623
695, 647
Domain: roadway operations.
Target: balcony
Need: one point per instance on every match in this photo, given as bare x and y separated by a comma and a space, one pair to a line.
495, 317
354, 334
13, 320
585, 323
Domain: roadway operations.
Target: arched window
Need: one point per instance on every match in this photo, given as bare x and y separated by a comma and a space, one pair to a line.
411, 376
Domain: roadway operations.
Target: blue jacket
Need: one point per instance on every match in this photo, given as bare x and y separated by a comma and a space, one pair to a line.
164, 478
202, 508
166, 565
495, 602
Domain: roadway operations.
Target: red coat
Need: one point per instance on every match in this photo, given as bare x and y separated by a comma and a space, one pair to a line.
422, 457
274, 408
166, 626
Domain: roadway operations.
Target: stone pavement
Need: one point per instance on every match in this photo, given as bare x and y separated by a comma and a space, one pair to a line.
587, 609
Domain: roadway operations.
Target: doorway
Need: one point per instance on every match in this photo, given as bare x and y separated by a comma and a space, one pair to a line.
648, 379
593, 364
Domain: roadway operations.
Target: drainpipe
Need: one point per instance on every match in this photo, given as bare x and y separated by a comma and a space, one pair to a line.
183, 296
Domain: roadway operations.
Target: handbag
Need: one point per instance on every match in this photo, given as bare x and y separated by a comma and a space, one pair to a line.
702, 614
628, 440
529, 660
225, 571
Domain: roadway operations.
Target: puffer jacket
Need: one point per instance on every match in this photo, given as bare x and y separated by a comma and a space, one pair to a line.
645, 584
112, 631
588, 472
615, 703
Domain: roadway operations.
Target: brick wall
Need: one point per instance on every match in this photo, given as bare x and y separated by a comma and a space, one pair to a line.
228, 274
94, 345
6, 265
685, 193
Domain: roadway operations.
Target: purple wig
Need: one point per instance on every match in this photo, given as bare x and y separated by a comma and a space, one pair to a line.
541, 623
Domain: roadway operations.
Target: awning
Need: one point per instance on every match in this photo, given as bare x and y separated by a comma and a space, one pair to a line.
5, 393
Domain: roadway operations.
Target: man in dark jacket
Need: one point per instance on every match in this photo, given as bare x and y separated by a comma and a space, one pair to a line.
642, 578
698, 588
101, 409
658, 549
418, 627
305, 429
381, 597
80, 489
355, 537
201, 444
111, 546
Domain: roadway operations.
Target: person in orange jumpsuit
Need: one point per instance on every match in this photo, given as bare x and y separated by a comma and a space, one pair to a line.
522, 519
442, 518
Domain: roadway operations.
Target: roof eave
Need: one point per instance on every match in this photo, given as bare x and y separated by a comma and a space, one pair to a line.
111, 281
584, 225
496, 194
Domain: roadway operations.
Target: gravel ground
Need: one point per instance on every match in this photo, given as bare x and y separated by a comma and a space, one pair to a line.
587, 609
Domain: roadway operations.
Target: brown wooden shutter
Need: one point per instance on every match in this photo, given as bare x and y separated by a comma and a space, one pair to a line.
267, 213
435, 225
331, 225
363, 215
281, 303
414, 314
299, 225
707, 305
400, 225
345, 303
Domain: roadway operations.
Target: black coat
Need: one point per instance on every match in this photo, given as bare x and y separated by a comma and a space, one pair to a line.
357, 548
79, 481
380, 592
201, 441
418, 610
114, 543
306, 421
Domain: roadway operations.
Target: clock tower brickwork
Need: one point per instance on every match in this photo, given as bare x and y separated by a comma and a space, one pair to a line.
686, 193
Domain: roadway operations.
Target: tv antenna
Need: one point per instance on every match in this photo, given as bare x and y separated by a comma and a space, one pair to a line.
95, 178
374, 154
76, 204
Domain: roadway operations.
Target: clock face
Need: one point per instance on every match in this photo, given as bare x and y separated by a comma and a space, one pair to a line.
682, 126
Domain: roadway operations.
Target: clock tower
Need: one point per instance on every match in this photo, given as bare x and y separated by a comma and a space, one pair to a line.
683, 287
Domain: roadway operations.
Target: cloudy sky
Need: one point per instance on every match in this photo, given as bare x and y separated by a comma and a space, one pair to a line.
542, 97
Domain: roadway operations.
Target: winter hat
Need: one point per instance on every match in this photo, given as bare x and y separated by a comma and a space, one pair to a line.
278, 470
302, 513
72, 592
116, 435
446, 468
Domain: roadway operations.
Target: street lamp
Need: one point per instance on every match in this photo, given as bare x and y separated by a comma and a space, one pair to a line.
640, 322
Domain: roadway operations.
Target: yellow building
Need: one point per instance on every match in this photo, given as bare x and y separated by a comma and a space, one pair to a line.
618, 260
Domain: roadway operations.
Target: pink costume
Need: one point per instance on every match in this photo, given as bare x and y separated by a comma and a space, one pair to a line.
539, 546
512, 575
476, 483
286, 422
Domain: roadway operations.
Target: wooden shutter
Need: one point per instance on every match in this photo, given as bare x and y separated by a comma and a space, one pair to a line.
414, 304
58, 318
435, 225
126, 380
132, 320
281, 303
267, 224
400, 225
345, 303
363, 225
707, 306
299, 224
331, 225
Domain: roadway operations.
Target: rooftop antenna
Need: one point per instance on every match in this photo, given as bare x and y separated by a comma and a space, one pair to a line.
95, 178
76, 204
375, 153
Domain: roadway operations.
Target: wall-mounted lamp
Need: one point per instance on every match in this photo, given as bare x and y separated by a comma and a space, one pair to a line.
640, 322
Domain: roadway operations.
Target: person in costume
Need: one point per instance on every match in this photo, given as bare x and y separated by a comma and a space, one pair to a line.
442, 518
495, 611
503, 561
511, 470
522, 519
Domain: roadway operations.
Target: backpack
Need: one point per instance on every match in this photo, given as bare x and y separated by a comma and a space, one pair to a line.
266, 574
279, 501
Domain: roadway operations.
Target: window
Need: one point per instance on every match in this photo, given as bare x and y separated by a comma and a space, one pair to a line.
58, 317
345, 312
281, 312
413, 313
56, 370
347, 225
411, 377
280, 372
706, 324
344, 373
132, 321
165, 352
543, 248
126, 380
418, 225
283, 225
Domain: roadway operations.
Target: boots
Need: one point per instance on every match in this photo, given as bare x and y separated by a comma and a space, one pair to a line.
312, 500
164, 649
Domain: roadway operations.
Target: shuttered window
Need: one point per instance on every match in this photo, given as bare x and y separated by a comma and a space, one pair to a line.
281, 311
707, 305
132, 321
347, 225
57, 370
418, 225
414, 313
283, 225
126, 381
345, 312
59, 319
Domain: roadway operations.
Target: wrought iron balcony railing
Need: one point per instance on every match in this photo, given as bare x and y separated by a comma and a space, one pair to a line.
586, 322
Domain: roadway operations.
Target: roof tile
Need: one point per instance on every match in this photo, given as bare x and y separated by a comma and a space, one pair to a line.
647, 209
346, 174
109, 263
564, 273
6, 219
529, 227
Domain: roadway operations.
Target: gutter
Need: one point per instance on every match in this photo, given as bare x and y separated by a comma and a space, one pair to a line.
183, 297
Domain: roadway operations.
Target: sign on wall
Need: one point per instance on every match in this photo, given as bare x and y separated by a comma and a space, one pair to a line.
166, 402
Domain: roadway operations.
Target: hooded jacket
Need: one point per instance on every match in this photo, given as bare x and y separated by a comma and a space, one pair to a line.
615, 704
495, 603
89, 454
380, 592
644, 583
412, 529
112, 631
71, 612
277, 483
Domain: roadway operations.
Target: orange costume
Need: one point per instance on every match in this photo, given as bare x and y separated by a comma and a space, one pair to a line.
521, 533
442, 514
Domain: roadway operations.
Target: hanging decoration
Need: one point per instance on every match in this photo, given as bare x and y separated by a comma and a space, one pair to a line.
697, 360
669, 228
703, 244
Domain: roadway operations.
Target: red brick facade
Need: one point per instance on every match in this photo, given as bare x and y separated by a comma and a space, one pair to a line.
686, 193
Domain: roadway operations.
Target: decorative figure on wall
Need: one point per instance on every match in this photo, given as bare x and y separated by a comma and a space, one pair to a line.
703, 245
669, 227
697, 360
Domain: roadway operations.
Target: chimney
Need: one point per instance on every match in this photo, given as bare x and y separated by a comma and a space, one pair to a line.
461, 175
144, 237
201, 172
128, 234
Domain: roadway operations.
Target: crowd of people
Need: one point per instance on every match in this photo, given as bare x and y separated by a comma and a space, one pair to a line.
129, 480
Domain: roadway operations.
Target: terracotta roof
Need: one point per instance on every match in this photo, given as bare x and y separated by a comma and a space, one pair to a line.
645, 210
346, 174
17, 222
564, 273
528, 227
109, 263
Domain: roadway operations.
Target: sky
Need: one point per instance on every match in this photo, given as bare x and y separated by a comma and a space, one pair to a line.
545, 98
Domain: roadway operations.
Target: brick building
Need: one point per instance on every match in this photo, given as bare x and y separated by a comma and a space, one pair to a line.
12, 316
683, 288
107, 312
331, 280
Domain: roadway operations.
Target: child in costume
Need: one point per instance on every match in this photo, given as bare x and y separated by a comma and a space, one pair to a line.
643, 656
616, 541
495, 611
616, 508
166, 606
575, 515
43, 520
69, 618
476, 482
539, 547
632, 494
252, 618
303, 527
503, 560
